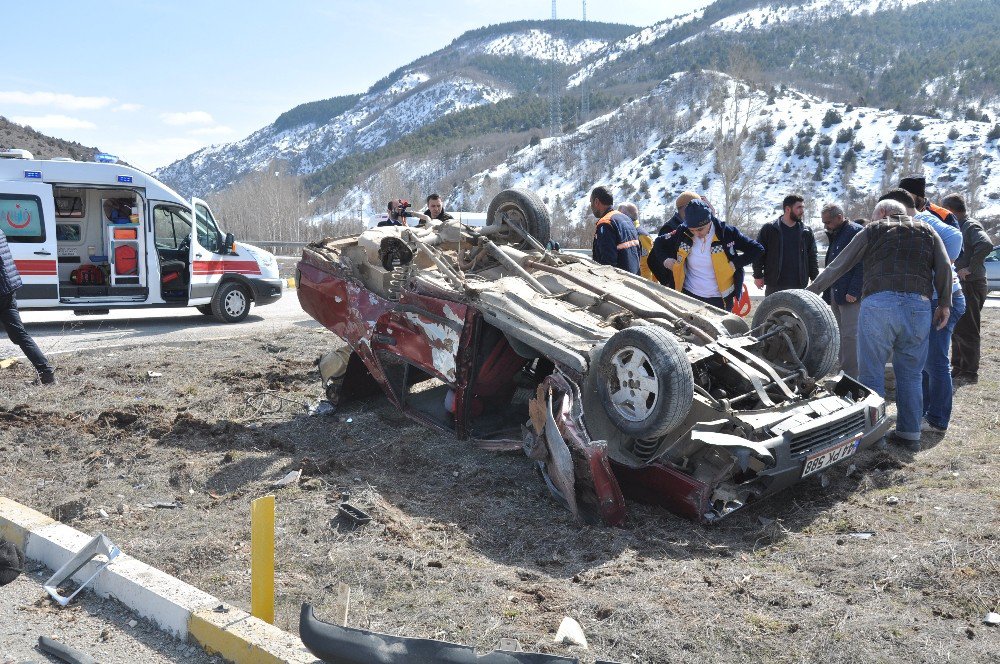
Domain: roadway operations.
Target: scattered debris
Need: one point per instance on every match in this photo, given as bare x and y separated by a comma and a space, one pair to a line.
288, 480
992, 619
98, 546
571, 633
865, 534
323, 407
851, 470
343, 604
764, 521
64, 652
222, 608
133, 623
8, 362
356, 515
163, 505
154, 374
824, 481
510, 645
892, 500
103, 514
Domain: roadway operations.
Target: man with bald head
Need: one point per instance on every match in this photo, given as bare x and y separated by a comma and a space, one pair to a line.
905, 264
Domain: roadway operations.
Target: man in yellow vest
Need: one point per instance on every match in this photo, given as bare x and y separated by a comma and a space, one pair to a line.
707, 257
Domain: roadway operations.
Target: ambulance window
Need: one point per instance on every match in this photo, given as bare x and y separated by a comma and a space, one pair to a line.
69, 207
21, 218
209, 236
171, 226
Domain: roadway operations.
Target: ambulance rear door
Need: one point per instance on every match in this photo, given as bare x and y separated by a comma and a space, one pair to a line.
28, 219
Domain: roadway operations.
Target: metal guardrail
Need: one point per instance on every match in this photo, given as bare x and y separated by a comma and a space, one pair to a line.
272, 243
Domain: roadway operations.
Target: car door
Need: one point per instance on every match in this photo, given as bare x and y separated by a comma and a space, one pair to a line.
28, 219
207, 262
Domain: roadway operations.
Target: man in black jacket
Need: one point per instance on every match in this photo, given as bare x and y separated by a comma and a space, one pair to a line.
789, 258
844, 297
10, 319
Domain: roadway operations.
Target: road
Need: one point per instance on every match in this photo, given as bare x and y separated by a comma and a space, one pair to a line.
103, 629
59, 332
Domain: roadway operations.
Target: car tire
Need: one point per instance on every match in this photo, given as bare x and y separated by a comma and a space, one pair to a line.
205, 309
231, 302
814, 334
644, 381
525, 208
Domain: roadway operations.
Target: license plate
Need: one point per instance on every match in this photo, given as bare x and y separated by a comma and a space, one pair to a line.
828, 457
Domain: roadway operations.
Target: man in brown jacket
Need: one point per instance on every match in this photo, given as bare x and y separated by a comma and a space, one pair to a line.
971, 267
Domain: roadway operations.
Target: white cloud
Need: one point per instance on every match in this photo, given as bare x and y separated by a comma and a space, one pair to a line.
64, 101
52, 122
217, 130
189, 118
127, 108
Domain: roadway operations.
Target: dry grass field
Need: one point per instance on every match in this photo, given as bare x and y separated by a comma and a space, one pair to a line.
897, 558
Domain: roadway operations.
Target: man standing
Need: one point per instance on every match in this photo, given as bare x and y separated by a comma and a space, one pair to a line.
971, 267
707, 257
844, 296
789, 258
435, 208
398, 213
10, 319
631, 211
916, 186
616, 241
904, 265
655, 261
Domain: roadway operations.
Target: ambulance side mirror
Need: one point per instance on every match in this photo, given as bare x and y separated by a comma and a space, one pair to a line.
230, 243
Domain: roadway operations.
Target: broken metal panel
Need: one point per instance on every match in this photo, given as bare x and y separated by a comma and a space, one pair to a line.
98, 546
659, 484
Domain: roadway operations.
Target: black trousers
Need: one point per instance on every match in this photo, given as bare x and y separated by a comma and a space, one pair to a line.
965, 339
724, 303
11, 321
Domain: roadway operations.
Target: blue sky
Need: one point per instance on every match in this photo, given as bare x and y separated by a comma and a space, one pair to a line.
154, 81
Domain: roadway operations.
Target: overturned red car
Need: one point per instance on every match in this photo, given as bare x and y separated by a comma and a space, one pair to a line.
613, 385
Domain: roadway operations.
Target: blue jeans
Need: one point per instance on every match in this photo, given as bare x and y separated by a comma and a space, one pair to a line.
938, 389
896, 324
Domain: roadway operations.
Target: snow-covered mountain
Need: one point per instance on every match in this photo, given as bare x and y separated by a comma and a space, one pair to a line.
480, 68
460, 120
652, 148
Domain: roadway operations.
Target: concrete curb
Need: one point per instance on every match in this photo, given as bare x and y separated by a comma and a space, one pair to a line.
174, 606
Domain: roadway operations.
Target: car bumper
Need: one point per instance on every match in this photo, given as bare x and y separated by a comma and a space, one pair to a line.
267, 291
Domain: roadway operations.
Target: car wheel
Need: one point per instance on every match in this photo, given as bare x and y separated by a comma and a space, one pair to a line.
645, 381
205, 309
524, 208
810, 326
231, 302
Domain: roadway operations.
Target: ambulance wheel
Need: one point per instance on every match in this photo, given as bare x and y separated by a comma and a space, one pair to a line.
231, 302
205, 309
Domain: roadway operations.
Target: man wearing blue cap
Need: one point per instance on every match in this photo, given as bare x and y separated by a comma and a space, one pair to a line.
707, 257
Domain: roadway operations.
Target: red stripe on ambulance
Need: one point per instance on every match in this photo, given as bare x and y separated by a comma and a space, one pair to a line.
224, 266
36, 268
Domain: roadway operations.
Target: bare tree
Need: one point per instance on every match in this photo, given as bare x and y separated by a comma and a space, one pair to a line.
738, 109
974, 180
265, 205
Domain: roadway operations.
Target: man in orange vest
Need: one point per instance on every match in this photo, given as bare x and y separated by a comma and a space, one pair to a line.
616, 241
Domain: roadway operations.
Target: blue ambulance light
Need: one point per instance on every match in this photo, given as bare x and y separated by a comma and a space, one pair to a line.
105, 158
124, 178
33, 175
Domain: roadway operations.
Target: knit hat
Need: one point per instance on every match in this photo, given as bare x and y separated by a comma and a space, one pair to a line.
915, 184
697, 214
685, 198
11, 562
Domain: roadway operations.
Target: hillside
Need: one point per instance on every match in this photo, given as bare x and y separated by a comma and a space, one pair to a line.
13, 135
481, 68
675, 138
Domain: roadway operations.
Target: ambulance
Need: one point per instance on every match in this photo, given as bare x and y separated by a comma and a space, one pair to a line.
96, 236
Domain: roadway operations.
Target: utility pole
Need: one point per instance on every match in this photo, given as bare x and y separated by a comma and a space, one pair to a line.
585, 86
555, 112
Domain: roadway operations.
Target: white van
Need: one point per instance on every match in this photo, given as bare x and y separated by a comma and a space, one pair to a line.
92, 237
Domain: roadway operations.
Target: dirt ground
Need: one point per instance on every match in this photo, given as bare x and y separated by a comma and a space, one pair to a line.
898, 560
